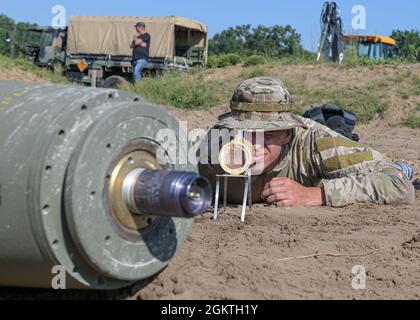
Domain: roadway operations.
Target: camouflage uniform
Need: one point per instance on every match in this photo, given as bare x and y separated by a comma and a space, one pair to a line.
347, 171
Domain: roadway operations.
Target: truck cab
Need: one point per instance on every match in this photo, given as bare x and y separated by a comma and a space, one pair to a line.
45, 47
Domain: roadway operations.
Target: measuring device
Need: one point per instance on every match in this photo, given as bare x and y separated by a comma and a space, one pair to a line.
236, 159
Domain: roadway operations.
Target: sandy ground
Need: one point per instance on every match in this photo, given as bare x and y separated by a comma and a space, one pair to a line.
230, 260
226, 259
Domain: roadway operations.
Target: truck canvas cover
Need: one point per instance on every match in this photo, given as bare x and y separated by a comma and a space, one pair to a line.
113, 35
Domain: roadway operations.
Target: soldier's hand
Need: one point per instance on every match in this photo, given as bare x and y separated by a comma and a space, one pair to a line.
288, 193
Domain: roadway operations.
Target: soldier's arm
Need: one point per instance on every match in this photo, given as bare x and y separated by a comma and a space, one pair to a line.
353, 173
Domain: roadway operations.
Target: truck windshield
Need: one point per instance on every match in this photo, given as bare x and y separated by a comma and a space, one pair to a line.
33, 38
47, 39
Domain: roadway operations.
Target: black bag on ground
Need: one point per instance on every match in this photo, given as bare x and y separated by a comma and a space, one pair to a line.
336, 118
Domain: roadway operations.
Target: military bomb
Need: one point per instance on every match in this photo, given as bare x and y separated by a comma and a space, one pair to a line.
81, 187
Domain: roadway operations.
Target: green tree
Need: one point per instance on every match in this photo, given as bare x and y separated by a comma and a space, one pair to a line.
16, 32
6, 29
408, 44
231, 40
273, 41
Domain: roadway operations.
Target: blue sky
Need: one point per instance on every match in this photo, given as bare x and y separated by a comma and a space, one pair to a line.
382, 15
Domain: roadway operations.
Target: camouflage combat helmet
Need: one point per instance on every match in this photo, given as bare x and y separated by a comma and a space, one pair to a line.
262, 103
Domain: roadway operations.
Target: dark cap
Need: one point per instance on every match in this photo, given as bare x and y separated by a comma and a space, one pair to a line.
140, 24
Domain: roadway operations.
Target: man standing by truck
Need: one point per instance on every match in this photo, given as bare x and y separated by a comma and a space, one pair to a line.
140, 46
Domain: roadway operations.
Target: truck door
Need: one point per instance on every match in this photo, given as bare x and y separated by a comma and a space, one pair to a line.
53, 44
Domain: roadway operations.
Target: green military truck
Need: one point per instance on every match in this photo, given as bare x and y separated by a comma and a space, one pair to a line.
96, 50
45, 47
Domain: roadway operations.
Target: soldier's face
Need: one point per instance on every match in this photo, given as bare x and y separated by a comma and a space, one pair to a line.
267, 151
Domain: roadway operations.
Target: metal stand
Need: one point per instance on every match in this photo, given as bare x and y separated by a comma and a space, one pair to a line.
247, 192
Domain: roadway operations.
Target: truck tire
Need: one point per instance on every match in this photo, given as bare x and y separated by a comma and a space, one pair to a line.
113, 82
